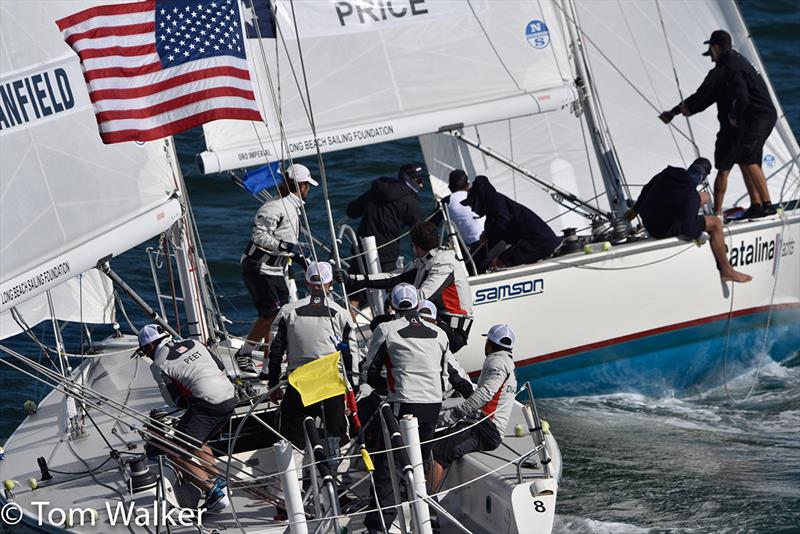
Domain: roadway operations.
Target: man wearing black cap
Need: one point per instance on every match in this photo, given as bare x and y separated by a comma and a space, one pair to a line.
389, 206
746, 117
669, 206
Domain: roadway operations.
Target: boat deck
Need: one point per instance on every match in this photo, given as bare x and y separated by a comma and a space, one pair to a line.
85, 477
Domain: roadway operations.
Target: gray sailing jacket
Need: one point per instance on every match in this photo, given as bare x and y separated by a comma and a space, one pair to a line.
414, 354
277, 220
494, 395
439, 277
308, 329
185, 370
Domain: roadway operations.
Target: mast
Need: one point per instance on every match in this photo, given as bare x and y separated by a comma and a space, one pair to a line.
601, 139
192, 282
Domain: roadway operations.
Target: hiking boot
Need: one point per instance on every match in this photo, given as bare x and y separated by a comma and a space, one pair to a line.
245, 363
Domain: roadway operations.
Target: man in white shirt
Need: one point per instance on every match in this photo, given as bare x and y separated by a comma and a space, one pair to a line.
468, 224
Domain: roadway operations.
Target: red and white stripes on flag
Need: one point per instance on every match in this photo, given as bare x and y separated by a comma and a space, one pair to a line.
138, 92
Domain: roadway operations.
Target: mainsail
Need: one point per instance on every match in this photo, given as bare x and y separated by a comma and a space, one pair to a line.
375, 74
632, 48
67, 199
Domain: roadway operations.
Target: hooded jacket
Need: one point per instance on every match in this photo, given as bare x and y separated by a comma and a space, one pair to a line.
507, 220
670, 197
385, 209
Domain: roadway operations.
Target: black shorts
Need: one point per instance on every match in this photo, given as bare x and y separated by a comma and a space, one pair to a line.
725, 149
464, 439
267, 292
203, 420
751, 140
293, 415
683, 231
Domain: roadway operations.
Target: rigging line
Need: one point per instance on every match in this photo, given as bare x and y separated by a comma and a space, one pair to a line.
628, 268
617, 70
491, 44
790, 163
581, 122
574, 208
675, 74
650, 79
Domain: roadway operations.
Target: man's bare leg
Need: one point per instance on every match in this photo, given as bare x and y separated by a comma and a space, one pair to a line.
720, 187
199, 475
260, 330
726, 271
754, 175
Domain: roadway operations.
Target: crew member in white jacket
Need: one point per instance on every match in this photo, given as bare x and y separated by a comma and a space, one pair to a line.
490, 404
274, 240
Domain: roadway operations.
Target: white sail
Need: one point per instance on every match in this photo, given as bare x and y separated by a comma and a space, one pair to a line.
635, 81
394, 73
67, 199
88, 298
632, 75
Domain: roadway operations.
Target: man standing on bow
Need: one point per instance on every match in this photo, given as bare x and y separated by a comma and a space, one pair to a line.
308, 329
191, 377
274, 240
746, 117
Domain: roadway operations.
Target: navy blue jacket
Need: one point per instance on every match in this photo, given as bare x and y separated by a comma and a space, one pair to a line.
669, 205
507, 220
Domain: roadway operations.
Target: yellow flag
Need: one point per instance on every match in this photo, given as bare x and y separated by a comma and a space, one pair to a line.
319, 380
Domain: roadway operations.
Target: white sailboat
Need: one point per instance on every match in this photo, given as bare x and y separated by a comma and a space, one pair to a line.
77, 462
551, 100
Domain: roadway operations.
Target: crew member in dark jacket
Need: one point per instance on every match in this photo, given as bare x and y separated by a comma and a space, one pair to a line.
512, 223
669, 206
389, 206
746, 117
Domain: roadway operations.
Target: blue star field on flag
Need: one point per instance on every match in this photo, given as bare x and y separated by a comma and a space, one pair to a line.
188, 30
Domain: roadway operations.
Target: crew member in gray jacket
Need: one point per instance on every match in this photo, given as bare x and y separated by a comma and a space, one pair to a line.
489, 405
414, 354
308, 329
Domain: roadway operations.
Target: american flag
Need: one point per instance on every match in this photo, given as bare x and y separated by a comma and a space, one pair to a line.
158, 67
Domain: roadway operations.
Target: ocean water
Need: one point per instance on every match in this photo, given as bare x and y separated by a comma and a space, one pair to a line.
713, 463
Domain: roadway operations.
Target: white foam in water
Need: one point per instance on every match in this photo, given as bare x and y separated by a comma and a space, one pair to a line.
565, 524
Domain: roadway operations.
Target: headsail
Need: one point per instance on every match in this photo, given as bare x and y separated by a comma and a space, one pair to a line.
380, 74
67, 200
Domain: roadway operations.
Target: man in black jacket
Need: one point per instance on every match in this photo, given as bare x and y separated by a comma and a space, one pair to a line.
746, 117
389, 206
509, 222
669, 206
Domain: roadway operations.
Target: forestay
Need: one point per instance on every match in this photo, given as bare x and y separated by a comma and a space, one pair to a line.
632, 75
381, 71
67, 199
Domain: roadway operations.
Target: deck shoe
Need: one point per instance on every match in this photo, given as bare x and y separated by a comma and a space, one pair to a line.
245, 364
216, 498
768, 209
263, 378
753, 212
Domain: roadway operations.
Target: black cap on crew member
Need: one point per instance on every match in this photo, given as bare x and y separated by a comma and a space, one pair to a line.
720, 38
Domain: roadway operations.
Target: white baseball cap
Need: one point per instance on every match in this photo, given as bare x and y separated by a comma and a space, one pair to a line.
300, 173
404, 297
319, 272
150, 333
427, 308
502, 335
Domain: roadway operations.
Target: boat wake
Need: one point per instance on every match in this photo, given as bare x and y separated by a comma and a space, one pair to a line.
638, 463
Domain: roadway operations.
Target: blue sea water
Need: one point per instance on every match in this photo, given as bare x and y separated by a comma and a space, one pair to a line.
711, 463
